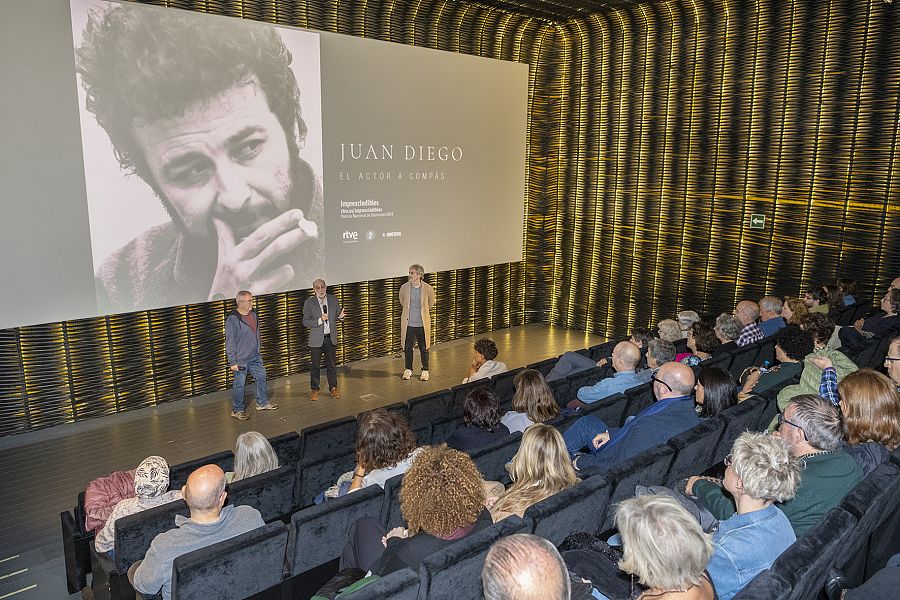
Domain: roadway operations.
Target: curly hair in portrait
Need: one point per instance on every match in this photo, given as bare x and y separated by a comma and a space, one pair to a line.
441, 492
487, 348
534, 397
794, 341
540, 468
870, 404
705, 339
147, 65
820, 326
797, 309
719, 391
253, 454
481, 409
383, 439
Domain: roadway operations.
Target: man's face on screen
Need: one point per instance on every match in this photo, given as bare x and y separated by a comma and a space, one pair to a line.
224, 163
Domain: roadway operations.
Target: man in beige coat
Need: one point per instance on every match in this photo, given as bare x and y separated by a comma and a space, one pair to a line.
416, 298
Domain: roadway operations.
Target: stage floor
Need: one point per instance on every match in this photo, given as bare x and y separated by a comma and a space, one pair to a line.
45, 470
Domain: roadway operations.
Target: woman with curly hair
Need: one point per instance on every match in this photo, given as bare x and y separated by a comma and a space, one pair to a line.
794, 310
532, 403
385, 447
701, 341
441, 499
539, 469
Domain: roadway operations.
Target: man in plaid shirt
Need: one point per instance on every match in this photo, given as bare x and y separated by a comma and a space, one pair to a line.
747, 313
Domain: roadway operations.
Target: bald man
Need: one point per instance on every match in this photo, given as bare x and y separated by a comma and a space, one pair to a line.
321, 313
211, 521
671, 414
747, 313
524, 567
625, 359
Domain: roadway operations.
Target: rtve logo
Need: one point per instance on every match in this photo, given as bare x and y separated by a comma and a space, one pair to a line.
351, 235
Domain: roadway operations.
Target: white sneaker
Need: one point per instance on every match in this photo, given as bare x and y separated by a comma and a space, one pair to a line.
407, 374
423, 376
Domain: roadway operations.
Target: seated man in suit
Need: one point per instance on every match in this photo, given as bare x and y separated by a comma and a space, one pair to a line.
210, 522
625, 359
671, 414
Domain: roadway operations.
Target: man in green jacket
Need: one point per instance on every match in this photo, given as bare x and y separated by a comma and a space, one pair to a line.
811, 427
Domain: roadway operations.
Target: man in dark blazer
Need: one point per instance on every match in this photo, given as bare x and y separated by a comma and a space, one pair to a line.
321, 313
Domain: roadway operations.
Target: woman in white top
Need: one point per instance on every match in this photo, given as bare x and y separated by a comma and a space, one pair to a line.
533, 402
385, 447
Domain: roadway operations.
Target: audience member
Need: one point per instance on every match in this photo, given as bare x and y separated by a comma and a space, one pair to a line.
481, 418
385, 447
878, 325
210, 522
484, 363
532, 403
670, 330
792, 345
664, 547
640, 337
441, 500
770, 319
821, 328
794, 311
834, 300
659, 352
540, 468
151, 482
747, 312
253, 455
728, 328
625, 359
572, 362
816, 301
892, 362
870, 405
759, 472
685, 319
702, 342
103, 494
849, 290
524, 567
714, 392
672, 414
811, 427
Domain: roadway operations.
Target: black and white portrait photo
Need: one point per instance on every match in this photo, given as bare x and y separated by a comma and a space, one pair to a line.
202, 142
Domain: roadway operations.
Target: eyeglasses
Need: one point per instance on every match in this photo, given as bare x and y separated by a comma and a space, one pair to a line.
661, 382
891, 358
781, 420
728, 462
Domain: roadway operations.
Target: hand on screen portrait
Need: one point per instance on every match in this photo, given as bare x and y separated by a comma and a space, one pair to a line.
261, 261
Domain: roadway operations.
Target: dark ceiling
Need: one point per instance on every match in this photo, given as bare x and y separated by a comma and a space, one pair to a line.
554, 9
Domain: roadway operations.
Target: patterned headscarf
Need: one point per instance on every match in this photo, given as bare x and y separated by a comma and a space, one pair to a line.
151, 478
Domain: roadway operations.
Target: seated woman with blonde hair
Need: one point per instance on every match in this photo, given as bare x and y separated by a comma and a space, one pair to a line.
532, 403
253, 455
539, 469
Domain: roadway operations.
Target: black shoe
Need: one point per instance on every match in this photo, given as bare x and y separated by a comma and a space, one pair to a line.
836, 584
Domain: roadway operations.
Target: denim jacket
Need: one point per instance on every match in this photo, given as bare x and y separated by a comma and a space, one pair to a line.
746, 544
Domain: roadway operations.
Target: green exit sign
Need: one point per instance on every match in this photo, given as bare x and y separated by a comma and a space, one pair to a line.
757, 221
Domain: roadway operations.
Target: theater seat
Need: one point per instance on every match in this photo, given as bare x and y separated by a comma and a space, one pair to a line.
738, 419
287, 448
178, 474
504, 387
581, 507
544, 366
233, 569
271, 493
694, 449
436, 406
327, 439
610, 410
491, 460
319, 474
390, 515
647, 468
454, 573
768, 585
399, 585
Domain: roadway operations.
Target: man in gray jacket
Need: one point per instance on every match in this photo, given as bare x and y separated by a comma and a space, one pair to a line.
211, 522
242, 350
321, 312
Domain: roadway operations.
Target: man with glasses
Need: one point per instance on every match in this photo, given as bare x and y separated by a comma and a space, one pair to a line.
812, 428
671, 414
892, 361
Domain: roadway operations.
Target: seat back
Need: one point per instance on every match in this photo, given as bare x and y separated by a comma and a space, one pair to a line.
236, 568
581, 507
768, 584
639, 398
399, 585
743, 358
178, 474
435, 406
766, 351
491, 460
504, 387
605, 349
610, 410
287, 448
401, 408
317, 475
650, 467
327, 439
544, 366
588, 377
454, 573
134, 533
738, 419
459, 392
694, 449
318, 533
271, 493
390, 515
443, 429
560, 389
722, 361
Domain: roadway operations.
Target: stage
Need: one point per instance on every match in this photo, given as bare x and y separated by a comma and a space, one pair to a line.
45, 470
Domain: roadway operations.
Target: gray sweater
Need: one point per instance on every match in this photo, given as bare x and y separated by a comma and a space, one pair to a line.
155, 572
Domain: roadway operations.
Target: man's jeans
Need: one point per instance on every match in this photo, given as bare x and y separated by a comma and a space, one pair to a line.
256, 368
568, 363
582, 433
